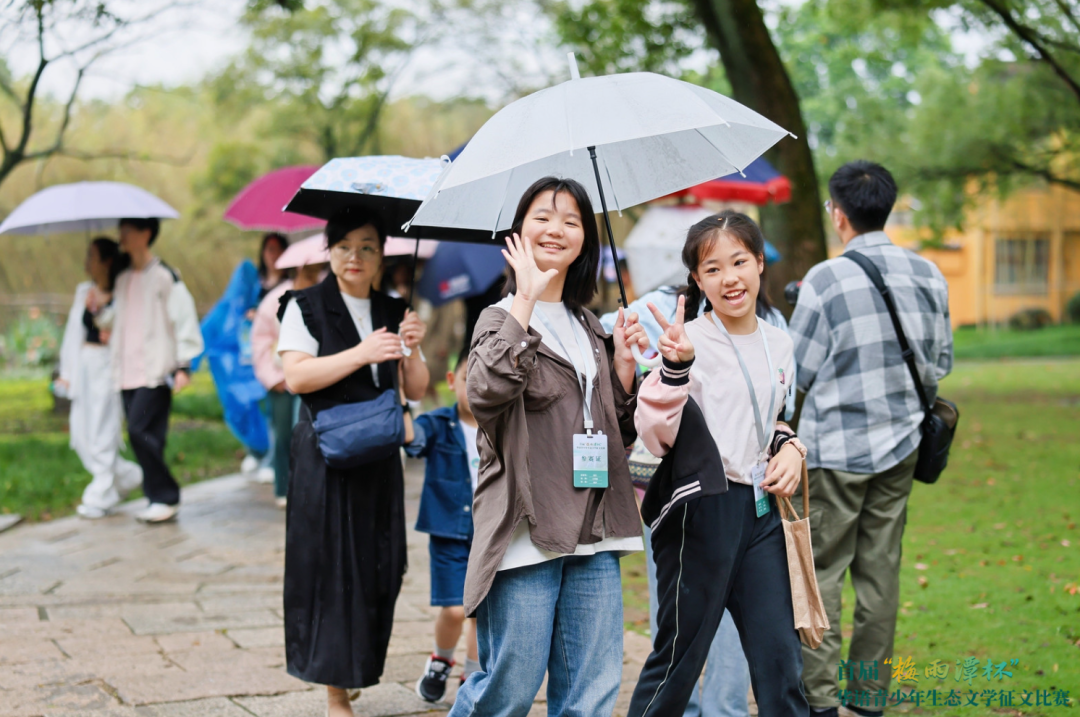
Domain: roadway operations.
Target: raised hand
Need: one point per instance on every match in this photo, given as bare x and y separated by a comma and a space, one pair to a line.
627, 333
380, 345
674, 344
412, 329
531, 282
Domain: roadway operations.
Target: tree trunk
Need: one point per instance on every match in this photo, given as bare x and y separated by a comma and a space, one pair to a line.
759, 81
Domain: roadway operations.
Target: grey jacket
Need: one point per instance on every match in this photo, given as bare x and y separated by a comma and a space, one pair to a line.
528, 404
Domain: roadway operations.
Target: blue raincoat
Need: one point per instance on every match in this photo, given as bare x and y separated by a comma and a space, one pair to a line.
227, 337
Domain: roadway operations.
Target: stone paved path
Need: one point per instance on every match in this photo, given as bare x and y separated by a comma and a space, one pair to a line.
115, 619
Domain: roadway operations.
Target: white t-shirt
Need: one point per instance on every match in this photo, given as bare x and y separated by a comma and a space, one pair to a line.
521, 551
296, 337
718, 387
471, 451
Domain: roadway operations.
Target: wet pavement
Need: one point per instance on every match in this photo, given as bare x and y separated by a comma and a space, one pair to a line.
111, 618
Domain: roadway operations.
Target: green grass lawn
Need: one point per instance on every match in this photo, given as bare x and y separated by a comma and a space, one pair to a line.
42, 478
971, 343
991, 565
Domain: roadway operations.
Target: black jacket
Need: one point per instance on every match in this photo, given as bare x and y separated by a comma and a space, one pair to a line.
691, 469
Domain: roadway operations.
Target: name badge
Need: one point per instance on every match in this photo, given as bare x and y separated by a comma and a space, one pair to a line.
761, 498
590, 461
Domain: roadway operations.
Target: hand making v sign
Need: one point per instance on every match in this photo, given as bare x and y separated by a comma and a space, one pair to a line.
674, 344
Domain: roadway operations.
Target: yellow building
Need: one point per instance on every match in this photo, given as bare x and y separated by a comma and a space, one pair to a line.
1016, 254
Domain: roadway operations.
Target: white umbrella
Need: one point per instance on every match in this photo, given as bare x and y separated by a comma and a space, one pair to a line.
84, 206
631, 138
654, 246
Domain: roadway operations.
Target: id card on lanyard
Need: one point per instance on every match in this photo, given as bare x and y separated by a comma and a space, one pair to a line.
590, 448
757, 473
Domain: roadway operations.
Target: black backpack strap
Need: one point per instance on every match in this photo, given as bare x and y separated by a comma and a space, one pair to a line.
905, 348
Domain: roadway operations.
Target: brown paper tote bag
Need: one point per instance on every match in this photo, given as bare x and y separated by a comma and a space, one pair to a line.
810, 618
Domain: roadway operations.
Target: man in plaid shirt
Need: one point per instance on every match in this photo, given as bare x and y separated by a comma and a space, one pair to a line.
860, 421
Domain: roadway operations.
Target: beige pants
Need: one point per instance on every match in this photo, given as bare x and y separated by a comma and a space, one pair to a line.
857, 523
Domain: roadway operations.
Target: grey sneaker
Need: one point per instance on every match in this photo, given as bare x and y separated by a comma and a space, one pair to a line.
432, 685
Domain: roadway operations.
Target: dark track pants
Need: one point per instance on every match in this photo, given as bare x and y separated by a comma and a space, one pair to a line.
147, 411
713, 553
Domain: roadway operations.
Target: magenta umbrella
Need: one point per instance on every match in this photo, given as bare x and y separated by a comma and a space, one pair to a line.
259, 207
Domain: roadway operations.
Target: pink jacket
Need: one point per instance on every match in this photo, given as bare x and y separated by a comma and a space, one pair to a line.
264, 338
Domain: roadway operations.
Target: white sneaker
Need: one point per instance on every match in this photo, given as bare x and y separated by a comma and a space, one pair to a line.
157, 513
90, 513
250, 464
264, 475
282, 503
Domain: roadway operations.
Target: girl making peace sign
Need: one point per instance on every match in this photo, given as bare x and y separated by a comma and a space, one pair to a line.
719, 544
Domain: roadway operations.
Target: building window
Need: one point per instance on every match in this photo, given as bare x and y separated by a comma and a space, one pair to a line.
1022, 266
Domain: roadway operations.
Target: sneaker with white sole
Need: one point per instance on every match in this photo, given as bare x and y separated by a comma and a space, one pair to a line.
281, 503
432, 685
157, 513
250, 464
90, 512
264, 475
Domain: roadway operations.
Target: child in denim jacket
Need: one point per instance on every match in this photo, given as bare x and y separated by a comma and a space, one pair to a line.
446, 437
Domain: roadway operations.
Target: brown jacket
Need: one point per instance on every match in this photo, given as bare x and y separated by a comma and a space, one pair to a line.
528, 404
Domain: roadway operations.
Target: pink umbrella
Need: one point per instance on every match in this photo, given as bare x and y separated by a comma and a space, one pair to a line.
304, 253
260, 205
399, 246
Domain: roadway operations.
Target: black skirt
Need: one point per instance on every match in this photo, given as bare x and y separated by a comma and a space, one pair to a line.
345, 557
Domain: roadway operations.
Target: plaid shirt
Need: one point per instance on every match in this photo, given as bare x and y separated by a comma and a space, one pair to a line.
861, 413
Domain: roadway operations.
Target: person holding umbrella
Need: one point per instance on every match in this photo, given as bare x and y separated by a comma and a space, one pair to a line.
554, 509
86, 378
345, 347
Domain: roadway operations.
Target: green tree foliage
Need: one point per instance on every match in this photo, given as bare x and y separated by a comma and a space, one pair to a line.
1005, 115
629, 35
56, 33
328, 66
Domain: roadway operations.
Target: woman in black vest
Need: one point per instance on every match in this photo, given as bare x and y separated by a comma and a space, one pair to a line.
342, 342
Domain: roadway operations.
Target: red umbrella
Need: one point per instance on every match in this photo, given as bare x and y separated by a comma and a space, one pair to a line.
759, 184
260, 206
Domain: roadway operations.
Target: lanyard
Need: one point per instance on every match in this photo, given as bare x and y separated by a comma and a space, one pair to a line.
582, 378
764, 437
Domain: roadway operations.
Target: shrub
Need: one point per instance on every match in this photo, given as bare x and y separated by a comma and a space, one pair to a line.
1072, 309
1030, 319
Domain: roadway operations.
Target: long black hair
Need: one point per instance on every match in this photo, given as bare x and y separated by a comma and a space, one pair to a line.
580, 285
700, 238
108, 250
281, 239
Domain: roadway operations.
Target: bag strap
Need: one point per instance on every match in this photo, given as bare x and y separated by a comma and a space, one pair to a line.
906, 351
785, 506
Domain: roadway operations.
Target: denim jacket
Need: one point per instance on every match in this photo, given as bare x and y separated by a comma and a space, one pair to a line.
446, 502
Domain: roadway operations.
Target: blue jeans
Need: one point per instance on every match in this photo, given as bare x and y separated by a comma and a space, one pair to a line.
562, 616
727, 676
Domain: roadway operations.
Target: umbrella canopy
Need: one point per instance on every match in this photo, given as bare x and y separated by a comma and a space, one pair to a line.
654, 246
397, 246
390, 186
758, 184
84, 207
304, 252
258, 207
458, 271
652, 135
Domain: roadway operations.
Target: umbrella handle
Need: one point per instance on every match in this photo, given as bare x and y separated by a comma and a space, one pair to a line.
642, 361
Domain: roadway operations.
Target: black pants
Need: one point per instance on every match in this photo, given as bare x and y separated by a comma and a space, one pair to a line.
713, 553
147, 411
